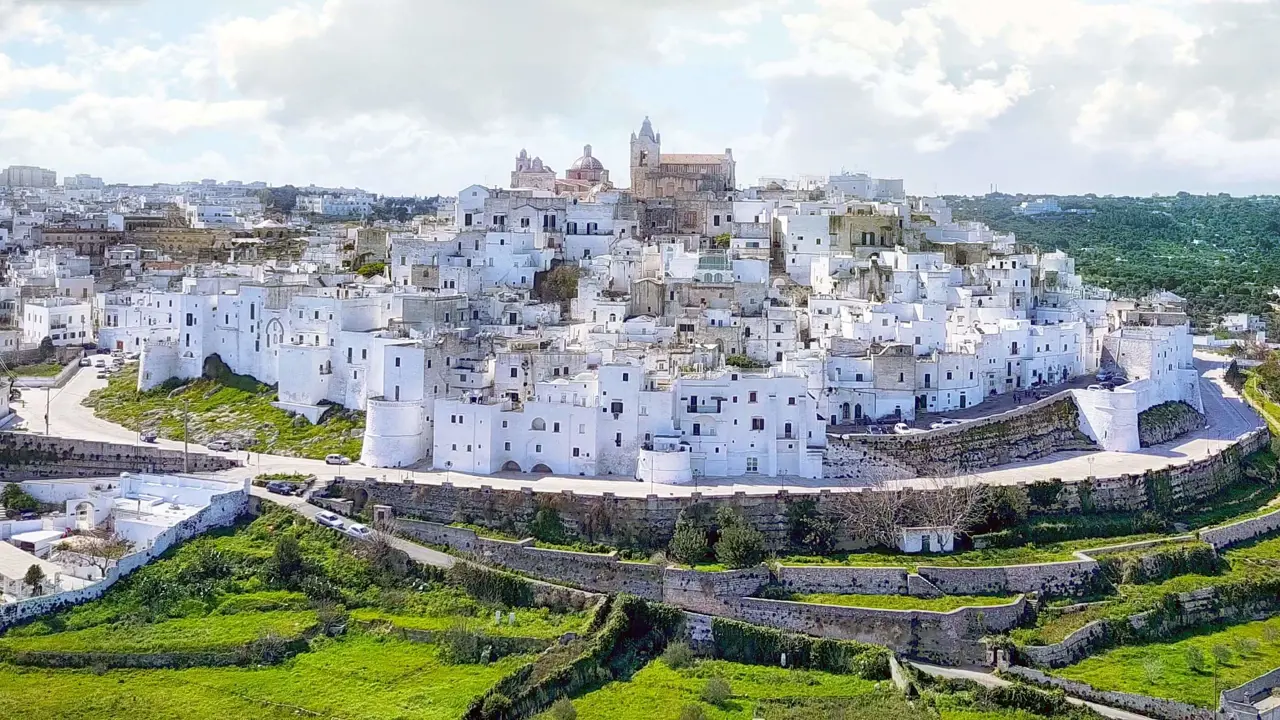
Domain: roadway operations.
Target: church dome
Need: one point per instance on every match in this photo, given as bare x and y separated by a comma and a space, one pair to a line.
586, 162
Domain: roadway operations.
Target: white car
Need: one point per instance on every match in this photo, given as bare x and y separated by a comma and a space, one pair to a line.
332, 520
359, 532
904, 429
336, 459
944, 423
219, 445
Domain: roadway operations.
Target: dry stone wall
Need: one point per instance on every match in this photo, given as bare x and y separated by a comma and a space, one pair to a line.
1141, 704
1074, 648
1059, 578
843, 580
1237, 532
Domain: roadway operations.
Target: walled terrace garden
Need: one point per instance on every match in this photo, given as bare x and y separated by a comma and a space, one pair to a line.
278, 618
228, 406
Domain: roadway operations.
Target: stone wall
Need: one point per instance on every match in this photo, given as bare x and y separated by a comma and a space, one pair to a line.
1026, 433
1141, 704
1058, 578
843, 580
712, 593
1238, 701
24, 456
222, 510
951, 638
1237, 532
1074, 648
1166, 421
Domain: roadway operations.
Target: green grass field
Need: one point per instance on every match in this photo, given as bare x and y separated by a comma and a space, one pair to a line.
217, 408
903, 602
357, 677
535, 623
215, 632
1163, 670
49, 369
657, 692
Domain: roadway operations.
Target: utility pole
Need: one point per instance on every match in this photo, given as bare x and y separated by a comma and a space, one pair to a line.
46, 410
186, 417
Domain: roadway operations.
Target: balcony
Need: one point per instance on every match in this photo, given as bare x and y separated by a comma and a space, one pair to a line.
703, 409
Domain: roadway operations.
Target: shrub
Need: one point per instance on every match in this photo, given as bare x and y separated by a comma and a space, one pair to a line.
755, 645
287, 566
740, 545
1245, 646
677, 656
744, 362
563, 709
1221, 654
689, 544
1161, 564
490, 585
692, 712
1195, 659
1044, 493
807, 530
716, 691
548, 527
496, 706
1006, 506
459, 645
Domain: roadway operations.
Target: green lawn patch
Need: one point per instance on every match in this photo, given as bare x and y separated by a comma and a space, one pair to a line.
215, 632
946, 603
359, 676
232, 405
659, 692
535, 623
1023, 555
1167, 670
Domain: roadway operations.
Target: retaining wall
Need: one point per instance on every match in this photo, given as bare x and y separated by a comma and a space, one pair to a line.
843, 580
1225, 536
1141, 704
223, 509
24, 456
1058, 578
1074, 648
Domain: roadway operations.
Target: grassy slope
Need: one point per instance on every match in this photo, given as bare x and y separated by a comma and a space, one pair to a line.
48, 369
902, 602
1261, 557
1027, 554
198, 633
657, 691
1161, 669
217, 409
358, 676
537, 623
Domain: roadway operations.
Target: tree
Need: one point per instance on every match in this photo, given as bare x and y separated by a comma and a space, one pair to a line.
16, 500
560, 284
1234, 377
371, 269
103, 550
34, 579
287, 564
739, 545
874, 514
948, 502
563, 709
689, 544
717, 691
1195, 659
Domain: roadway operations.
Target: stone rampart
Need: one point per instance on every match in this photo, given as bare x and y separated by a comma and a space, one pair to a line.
1074, 648
222, 510
1141, 704
1057, 578
952, 637
1225, 536
1164, 422
711, 593
24, 456
843, 580
1025, 433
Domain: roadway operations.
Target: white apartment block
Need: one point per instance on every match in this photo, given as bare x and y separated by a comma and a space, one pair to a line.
65, 321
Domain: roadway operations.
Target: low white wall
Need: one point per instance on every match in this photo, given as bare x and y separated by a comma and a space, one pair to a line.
1110, 417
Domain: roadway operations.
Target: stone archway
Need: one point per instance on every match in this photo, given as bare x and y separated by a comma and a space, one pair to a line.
511, 466
540, 469
84, 515
359, 501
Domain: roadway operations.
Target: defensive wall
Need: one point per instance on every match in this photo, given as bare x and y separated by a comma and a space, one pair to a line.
24, 456
1141, 704
650, 521
222, 510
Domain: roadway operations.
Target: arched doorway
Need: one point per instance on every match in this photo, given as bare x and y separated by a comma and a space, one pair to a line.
84, 516
857, 411
359, 501
844, 412
540, 469
511, 466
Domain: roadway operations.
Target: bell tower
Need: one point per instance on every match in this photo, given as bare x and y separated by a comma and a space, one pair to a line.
646, 156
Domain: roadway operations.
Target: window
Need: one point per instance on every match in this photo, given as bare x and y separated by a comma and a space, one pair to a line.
506, 446
757, 423
555, 427
364, 354
626, 377
576, 452
398, 398
582, 429
539, 424
753, 465
537, 448
615, 407
751, 396
397, 362
791, 401
948, 374
901, 377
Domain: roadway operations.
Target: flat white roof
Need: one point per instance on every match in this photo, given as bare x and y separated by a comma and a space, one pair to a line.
37, 536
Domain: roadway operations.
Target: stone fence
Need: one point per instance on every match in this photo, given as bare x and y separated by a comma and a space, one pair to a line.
25, 456
222, 510
1225, 536
56, 381
1238, 702
1141, 704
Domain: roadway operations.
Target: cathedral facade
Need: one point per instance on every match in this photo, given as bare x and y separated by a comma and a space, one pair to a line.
655, 174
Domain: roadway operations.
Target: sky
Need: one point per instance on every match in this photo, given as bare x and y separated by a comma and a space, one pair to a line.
424, 97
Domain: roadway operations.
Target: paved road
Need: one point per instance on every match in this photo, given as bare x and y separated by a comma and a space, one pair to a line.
1228, 415
424, 555
986, 678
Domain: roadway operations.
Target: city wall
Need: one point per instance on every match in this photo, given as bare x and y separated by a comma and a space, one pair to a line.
24, 456
1225, 536
1141, 704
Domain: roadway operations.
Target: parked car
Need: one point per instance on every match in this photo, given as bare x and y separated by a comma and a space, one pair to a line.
876, 430
102, 375
219, 445
359, 532
85, 362
336, 459
100, 363
332, 520
944, 423
904, 429
132, 356
1104, 375
148, 435
1098, 387
279, 488
28, 515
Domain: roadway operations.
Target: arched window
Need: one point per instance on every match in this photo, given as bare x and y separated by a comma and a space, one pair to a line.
539, 424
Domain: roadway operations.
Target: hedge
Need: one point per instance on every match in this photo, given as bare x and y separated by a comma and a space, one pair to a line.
754, 645
1161, 564
633, 632
491, 585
